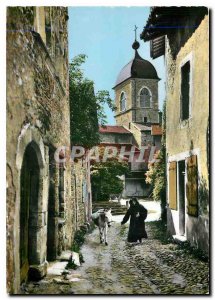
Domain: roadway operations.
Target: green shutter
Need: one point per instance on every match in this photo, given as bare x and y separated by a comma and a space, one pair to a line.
173, 185
192, 186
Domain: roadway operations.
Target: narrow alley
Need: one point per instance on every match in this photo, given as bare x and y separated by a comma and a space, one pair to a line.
100, 124
122, 268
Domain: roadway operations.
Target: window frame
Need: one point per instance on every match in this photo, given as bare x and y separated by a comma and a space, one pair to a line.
188, 58
150, 101
120, 101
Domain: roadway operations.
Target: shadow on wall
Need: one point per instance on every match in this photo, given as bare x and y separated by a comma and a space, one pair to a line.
198, 228
170, 227
198, 233
203, 196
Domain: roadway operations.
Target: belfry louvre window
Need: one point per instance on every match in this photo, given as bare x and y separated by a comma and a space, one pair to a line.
185, 91
192, 186
122, 102
145, 98
173, 185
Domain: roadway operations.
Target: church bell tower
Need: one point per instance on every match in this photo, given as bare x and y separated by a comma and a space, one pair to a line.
136, 92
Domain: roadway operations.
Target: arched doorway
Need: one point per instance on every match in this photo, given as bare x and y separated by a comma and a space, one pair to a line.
29, 192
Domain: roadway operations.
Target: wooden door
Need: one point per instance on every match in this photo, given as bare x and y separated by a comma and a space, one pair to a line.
24, 215
28, 208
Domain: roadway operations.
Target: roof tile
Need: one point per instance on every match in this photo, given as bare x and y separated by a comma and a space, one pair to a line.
113, 129
156, 130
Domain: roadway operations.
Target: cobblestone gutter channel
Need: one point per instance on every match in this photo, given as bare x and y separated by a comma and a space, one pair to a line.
119, 268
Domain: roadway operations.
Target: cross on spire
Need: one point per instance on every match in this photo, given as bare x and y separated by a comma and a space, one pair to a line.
136, 44
135, 30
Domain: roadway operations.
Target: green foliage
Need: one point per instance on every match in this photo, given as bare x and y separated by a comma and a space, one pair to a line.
102, 98
156, 175
81, 258
159, 229
79, 239
75, 247
86, 107
71, 265
104, 179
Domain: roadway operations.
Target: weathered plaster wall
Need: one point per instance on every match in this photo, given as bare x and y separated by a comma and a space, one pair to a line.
184, 137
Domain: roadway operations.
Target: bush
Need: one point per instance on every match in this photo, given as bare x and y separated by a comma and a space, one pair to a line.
79, 239
156, 175
105, 180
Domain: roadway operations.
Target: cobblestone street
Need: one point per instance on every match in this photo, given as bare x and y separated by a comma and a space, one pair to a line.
121, 268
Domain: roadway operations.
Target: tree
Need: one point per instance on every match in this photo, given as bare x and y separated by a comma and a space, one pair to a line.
156, 175
105, 180
86, 107
86, 113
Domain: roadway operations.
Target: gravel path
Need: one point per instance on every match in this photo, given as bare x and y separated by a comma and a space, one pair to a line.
121, 268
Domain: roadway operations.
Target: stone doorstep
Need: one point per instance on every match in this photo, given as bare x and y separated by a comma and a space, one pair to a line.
75, 258
57, 268
179, 238
65, 256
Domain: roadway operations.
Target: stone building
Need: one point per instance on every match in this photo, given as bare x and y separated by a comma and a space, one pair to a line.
184, 40
137, 118
42, 198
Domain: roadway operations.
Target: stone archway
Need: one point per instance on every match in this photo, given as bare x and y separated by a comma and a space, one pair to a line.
31, 206
29, 197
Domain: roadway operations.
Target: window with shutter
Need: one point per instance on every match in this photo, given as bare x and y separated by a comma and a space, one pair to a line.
173, 185
192, 186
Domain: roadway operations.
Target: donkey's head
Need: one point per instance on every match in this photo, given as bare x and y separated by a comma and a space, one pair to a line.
108, 216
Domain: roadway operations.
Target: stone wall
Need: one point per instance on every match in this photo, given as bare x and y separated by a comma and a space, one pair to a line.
188, 137
127, 89
134, 113
38, 116
137, 134
118, 138
150, 113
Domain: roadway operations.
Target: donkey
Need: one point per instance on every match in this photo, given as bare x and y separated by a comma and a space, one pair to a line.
103, 218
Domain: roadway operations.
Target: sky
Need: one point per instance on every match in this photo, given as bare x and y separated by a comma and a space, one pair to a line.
106, 35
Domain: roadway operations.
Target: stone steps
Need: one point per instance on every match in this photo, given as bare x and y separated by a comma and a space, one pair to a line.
116, 208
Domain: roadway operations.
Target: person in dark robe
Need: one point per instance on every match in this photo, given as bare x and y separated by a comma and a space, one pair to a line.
137, 214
